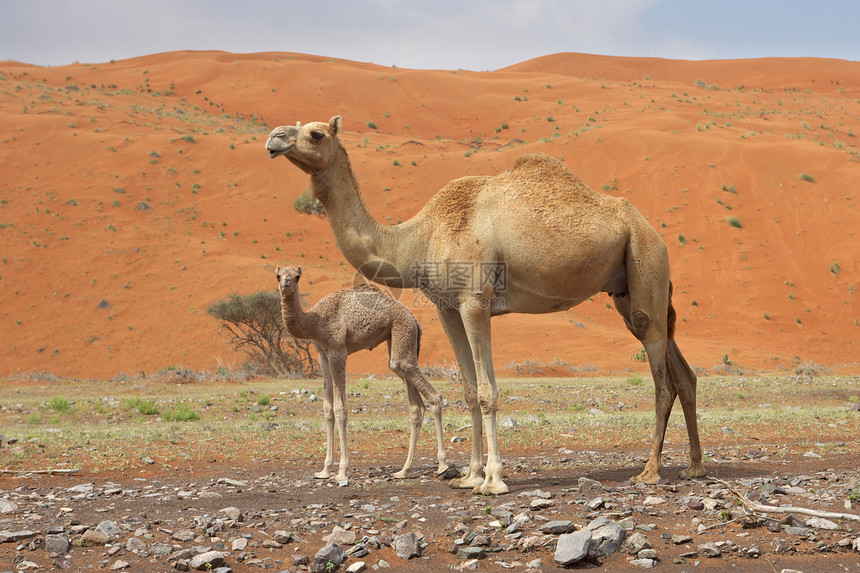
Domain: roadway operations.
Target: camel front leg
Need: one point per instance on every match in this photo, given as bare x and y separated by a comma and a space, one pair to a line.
476, 322
416, 417
337, 365
684, 380
328, 412
452, 322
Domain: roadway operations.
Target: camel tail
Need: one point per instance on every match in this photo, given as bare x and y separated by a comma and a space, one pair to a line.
418, 341
670, 319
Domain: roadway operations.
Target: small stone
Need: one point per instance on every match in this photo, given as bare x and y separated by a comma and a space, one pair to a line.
644, 563
207, 561
595, 503
791, 530
652, 500
356, 567
13, 536
557, 527
340, 536
239, 544
407, 546
120, 565
587, 485
709, 549
233, 513
636, 543
647, 554
541, 503
58, 544
679, 539
331, 553
135, 545
471, 553
184, 535
508, 422
282, 537
821, 523
607, 538
232, 482
811, 454
7, 507
108, 528
572, 547
299, 559
91, 538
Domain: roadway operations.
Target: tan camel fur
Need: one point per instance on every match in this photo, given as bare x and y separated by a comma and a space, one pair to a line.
533, 239
356, 319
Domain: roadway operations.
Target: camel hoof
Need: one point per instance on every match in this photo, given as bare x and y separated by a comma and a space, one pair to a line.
443, 469
467, 482
322, 475
646, 478
694, 472
498, 487
399, 475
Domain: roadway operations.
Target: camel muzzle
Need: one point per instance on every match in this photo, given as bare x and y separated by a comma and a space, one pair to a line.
281, 141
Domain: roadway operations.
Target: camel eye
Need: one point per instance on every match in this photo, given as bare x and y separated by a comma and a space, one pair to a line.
317, 135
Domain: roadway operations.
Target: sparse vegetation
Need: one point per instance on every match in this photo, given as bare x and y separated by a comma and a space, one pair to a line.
306, 203
807, 177
734, 222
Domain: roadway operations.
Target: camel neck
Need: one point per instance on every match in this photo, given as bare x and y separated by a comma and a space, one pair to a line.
295, 319
382, 254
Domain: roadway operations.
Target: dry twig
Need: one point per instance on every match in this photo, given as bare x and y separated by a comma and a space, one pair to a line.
753, 506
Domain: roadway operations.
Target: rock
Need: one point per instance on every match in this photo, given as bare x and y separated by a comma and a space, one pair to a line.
340, 536
855, 545
572, 547
282, 537
13, 536
356, 567
120, 565
331, 553
821, 523
232, 482
239, 544
811, 454
233, 513
678, 539
587, 485
791, 530
207, 561
556, 527
299, 559
649, 553
709, 549
161, 549
644, 563
595, 503
183, 535
471, 553
82, 488
135, 545
607, 538
508, 422
541, 503
636, 543
407, 546
58, 544
91, 538
7, 507
652, 500
27, 566
108, 528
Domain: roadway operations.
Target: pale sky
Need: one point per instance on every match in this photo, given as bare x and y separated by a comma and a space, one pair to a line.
474, 35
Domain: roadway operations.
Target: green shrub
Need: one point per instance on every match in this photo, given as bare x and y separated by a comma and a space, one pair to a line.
734, 222
181, 413
60, 404
306, 203
807, 177
635, 380
145, 407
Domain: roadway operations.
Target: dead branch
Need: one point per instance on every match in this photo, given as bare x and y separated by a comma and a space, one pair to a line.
753, 506
48, 471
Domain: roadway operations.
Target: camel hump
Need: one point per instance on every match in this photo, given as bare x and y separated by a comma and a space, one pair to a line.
537, 160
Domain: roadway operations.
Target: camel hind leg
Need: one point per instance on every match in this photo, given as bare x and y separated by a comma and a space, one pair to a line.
648, 313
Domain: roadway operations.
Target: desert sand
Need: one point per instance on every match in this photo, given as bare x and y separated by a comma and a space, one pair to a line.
136, 192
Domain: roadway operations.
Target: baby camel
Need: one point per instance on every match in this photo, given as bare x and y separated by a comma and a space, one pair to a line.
355, 319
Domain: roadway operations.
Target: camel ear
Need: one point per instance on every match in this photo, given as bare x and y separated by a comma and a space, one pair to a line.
335, 124
298, 274
278, 272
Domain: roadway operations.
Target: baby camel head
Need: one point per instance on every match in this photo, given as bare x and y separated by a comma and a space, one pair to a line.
310, 147
288, 278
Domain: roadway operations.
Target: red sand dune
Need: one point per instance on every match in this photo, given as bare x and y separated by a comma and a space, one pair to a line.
92, 285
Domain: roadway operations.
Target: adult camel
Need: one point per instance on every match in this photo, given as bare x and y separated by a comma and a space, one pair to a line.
533, 239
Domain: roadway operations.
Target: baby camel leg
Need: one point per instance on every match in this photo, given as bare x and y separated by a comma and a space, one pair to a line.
404, 363
416, 417
329, 418
337, 365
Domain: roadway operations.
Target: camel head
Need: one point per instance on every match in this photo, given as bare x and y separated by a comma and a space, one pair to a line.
310, 147
288, 277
